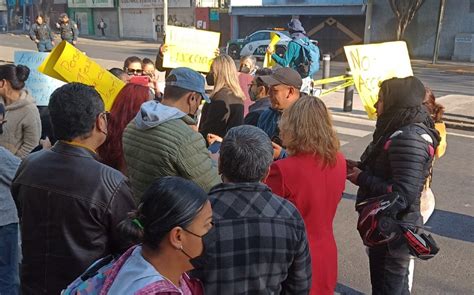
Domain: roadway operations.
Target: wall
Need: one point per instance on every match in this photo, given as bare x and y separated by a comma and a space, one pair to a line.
420, 34
138, 23
110, 18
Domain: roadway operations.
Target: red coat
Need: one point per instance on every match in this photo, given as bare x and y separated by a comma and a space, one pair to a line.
316, 193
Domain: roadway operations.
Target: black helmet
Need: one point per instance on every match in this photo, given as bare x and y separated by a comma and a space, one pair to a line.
421, 245
377, 224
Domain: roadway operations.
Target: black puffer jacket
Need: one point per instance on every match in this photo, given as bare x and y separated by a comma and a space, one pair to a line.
401, 163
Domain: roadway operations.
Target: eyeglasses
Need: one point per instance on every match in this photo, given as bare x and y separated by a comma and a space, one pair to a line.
134, 71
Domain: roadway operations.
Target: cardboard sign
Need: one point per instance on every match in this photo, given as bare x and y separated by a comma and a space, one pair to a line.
373, 63
190, 48
68, 64
38, 85
268, 61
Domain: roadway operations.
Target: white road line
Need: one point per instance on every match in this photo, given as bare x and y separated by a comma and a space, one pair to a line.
353, 120
460, 135
342, 142
351, 131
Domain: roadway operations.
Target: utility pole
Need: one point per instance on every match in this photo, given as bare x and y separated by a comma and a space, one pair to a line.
368, 21
165, 15
442, 5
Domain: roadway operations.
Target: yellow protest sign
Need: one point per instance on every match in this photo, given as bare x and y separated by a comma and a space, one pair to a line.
190, 48
68, 64
268, 62
373, 63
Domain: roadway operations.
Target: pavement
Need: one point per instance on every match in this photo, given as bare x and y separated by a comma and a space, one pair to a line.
459, 107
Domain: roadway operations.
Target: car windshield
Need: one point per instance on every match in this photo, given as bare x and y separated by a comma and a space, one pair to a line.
286, 33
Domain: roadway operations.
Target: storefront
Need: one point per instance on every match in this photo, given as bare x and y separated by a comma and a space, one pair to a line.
143, 19
88, 13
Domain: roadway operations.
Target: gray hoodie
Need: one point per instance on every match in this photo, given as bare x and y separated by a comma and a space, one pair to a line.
153, 113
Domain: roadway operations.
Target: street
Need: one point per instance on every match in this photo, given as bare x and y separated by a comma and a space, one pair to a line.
452, 223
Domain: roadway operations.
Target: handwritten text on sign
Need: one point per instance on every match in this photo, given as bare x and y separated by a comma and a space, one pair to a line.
373, 63
190, 48
69, 64
39, 85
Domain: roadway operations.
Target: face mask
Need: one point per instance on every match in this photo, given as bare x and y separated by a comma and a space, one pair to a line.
244, 69
208, 240
210, 79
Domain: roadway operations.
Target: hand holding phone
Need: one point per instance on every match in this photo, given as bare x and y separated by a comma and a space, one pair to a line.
140, 80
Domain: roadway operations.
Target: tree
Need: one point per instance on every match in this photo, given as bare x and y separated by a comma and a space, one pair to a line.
404, 11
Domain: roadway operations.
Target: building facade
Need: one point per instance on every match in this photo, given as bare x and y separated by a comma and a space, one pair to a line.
144, 18
336, 23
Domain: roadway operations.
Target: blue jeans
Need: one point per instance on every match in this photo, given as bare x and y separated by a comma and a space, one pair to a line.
44, 46
389, 270
9, 276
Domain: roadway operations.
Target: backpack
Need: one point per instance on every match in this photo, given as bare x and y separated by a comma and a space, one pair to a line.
310, 64
92, 280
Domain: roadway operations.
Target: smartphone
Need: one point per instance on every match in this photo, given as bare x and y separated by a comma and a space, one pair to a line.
140, 80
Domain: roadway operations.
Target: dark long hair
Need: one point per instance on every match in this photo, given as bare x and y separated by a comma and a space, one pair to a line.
125, 108
169, 202
16, 75
435, 109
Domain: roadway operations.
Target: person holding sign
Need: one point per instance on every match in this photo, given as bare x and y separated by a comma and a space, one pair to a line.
22, 125
41, 34
302, 55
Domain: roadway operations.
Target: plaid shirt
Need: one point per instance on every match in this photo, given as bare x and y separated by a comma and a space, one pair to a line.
261, 243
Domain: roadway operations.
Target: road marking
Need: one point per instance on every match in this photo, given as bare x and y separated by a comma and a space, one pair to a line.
460, 135
351, 131
342, 142
353, 120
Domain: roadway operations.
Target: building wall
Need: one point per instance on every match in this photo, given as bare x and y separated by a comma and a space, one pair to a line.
421, 32
332, 32
138, 23
110, 17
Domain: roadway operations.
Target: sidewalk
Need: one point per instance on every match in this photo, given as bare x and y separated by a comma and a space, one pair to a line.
459, 109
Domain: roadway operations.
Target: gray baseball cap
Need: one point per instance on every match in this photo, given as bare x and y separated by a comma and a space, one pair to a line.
189, 79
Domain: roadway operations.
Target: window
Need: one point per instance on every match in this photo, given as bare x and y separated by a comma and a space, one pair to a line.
259, 36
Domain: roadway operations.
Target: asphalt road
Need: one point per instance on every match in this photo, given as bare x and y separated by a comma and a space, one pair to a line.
452, 223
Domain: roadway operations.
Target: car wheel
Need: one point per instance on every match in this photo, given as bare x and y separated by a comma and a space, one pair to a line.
280, 51
234, 51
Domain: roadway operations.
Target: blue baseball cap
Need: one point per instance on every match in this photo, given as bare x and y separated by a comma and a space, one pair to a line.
189, 79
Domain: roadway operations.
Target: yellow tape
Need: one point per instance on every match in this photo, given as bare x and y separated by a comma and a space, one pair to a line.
332, 79
338, 87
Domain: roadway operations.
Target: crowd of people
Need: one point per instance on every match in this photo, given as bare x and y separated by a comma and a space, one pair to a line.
158, 197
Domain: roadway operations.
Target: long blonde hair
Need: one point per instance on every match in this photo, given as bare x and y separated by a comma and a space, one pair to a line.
225, 75
306, 127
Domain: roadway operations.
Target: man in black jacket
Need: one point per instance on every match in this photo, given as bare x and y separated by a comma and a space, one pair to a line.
69, 204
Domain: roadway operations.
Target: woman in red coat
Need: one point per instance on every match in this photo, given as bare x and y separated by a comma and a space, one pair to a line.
313, 179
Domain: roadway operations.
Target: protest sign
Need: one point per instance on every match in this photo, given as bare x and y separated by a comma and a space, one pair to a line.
190, 48
268, 61
68, 64
38, 85
373, 63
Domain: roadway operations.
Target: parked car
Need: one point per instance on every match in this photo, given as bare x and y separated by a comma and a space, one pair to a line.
256, 44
